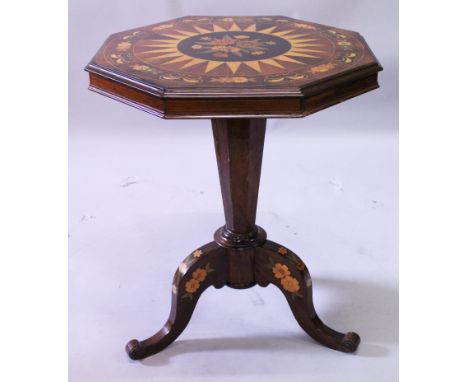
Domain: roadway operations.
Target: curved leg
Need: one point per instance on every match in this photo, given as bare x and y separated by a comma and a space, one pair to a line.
201, 269
279, 266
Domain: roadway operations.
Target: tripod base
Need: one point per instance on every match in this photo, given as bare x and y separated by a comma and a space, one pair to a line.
247, 262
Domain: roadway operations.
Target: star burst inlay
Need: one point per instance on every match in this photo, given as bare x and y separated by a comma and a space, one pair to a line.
232, 48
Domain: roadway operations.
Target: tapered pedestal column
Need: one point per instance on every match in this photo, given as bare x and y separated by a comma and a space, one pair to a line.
239, 151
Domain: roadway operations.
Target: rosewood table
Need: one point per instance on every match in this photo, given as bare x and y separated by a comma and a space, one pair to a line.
236, 71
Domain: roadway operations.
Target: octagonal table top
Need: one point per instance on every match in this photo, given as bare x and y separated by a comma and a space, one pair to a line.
270, 66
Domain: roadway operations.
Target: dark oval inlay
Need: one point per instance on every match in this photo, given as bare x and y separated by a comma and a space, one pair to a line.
234, 46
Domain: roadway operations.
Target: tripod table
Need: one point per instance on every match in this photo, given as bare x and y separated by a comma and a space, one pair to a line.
236, 71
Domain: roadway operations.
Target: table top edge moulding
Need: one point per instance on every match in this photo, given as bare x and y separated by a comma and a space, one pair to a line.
170, 69
238, 71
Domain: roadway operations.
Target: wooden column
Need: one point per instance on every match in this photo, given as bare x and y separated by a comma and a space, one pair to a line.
239, 151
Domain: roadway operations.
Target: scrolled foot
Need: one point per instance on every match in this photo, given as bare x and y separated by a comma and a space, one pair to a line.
203, 268
135, 350
350, 342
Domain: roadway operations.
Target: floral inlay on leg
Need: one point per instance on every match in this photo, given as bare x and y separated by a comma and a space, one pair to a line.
282, 251
198, 276
192, 286
197, 253
288, 282
280, 271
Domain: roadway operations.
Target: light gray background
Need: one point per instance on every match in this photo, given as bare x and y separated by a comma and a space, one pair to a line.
144, 193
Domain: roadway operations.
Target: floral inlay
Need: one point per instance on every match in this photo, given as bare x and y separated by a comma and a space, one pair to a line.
197, 277
234, 46
192, 285
322, 68
283, 274
124, 45
197, 253
236, 51
141, 67
290, 284
232, 80
300, 265
280, 271
282, 250
199, 274
281, 78
345, 49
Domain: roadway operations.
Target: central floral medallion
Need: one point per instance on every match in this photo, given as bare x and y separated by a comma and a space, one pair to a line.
234, 46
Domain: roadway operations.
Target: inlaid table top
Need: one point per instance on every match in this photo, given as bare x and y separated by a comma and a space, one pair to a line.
268, 66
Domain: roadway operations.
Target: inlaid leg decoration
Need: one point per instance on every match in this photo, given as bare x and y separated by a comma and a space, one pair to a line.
279, 266
204, 267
